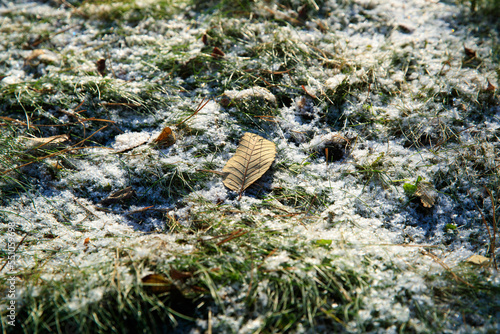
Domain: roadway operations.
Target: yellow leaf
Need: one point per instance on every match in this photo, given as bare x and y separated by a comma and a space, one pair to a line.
252, 159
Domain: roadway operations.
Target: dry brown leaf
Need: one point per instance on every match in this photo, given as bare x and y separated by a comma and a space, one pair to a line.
56, 165
33, 56
470, 53
166, 138
157, 283
491, 87
302, 11
101, 66
278, 15
180, 275
39, 56
45, 143
252, 159
217, 53
426, 193
406, 28
119, 196
204, 39
477, 260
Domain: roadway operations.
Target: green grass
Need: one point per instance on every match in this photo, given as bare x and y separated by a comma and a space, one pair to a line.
485, 7
11, 183
139, 311
295, 295
127, 11
476, 303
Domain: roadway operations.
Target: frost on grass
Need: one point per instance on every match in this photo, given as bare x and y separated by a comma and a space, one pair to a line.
392, 79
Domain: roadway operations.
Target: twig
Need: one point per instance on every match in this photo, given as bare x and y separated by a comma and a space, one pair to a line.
250, 283
267, 118
401, 245
333, 316
128, 149
233, 235
36, 43
493, 239
12, 120
202, 105
443, 141
75, 9
89, 212
265, 81
267, 71
119, 104
271, 253
212, 171
310, 204
55, 153
209, 330
151, 207
15, 250
445, 266
282, 16
310, 94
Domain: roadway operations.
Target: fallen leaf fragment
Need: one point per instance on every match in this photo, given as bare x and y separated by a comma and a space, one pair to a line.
101, 66
278, 15
406, 28
477, 260
204, 39
426, 193
31, 59
302, 12
180, 275
491, 87
166, 138
156, 283
40, 56
252, 159
217, 53
469, 53
32, 143
56, 165
118, 196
